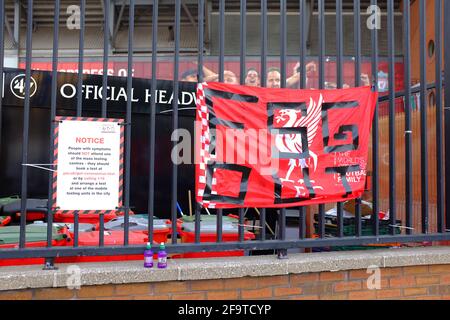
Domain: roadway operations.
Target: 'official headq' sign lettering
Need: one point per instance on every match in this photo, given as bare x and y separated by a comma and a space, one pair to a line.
259, 147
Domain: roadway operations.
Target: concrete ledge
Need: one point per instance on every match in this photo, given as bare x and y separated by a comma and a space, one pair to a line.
14, 278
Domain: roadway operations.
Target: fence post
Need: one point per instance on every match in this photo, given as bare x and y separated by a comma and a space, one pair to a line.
447, 109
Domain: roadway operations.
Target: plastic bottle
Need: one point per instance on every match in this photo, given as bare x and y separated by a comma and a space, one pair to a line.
148, 256
162, 256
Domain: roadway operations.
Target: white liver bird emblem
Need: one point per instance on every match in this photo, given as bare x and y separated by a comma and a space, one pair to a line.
292, 143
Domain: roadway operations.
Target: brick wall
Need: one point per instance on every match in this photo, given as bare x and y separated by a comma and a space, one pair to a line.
417, 282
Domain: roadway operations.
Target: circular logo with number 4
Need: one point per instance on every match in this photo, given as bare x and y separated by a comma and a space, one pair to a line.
18, 86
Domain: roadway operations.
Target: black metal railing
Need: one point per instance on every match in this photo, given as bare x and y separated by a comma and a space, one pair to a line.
281, 243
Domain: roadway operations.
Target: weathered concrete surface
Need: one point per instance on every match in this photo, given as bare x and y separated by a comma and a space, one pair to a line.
12, 278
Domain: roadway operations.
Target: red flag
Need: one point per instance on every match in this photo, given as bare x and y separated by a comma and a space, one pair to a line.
258, 147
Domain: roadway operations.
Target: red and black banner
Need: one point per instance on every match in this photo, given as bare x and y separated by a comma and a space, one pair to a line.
258, 147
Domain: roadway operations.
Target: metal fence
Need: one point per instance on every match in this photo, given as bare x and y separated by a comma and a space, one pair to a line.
281, 243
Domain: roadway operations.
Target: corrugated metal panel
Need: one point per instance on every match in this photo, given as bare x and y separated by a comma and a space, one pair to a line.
274, 5
68, 39
43, 12
43, 18
330, 44
143, 39
232, 22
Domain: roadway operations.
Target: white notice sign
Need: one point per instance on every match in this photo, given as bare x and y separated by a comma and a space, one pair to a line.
89, 155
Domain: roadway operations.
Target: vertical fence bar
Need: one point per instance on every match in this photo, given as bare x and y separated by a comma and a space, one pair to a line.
128, 121
243, 40
263, 224
357, 41
221, 40
101, 239
26, 126
2, 57
243, 54
151, 195
201, 21
408, 127
340, 219
197, 222
175, 118
219, 216
339, 44
79, 96
303, 27
321, 8
283, 42
52, 120
447, 112
340, 83
375, 218
219, 222
282, 226
392, 171
106, 5
243, 43
241, 225
439, 110
105, 56
321, 20
302, 223
201, 8
358, 227
321, 221
263, 43
423, 117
